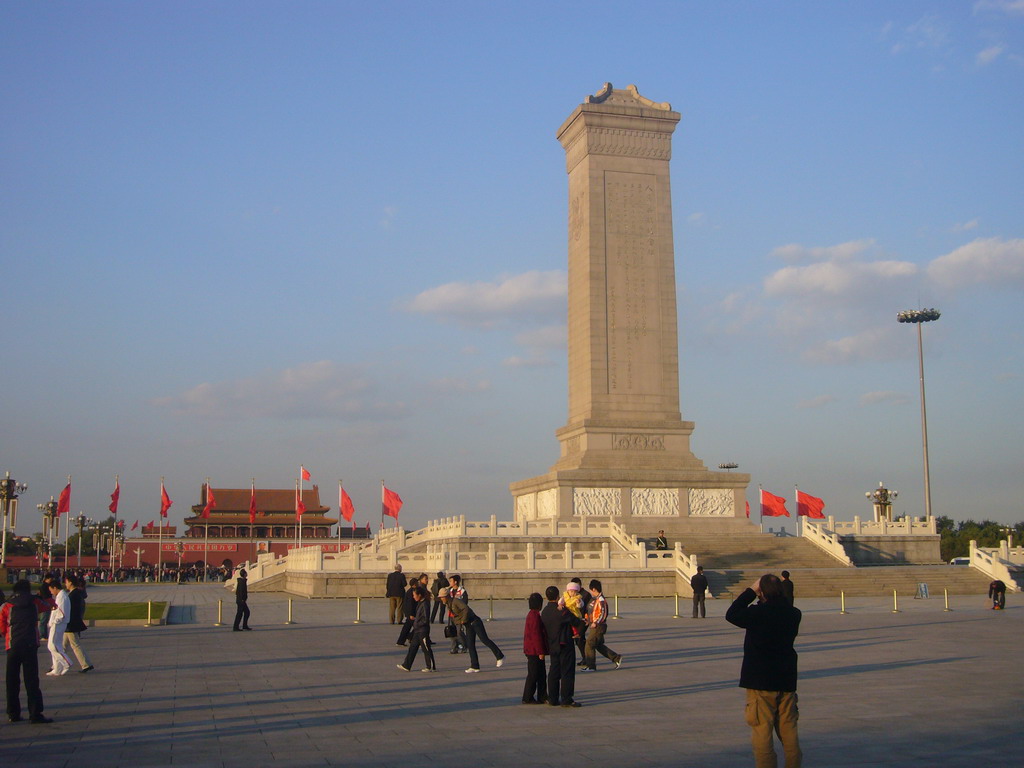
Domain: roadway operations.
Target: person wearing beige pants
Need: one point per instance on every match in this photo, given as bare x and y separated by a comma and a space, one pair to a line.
769, 669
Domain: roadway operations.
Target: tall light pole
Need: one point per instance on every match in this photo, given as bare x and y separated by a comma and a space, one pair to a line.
918, 317
10, 489
51, 523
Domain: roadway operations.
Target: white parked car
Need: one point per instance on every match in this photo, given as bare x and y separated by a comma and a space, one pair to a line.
960, 561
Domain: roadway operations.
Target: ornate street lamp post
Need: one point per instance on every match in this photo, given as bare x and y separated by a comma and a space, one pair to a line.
51, 520
881, 499
10, 489
80, 523
918, 317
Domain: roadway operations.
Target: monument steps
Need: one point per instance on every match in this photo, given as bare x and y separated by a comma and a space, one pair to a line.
756, 550
870, 581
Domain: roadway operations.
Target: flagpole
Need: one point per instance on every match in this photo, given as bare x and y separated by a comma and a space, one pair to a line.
381, 508
66, 527
117, 487
760, 507
206, 544
160, 537
339, 517
299, 532
252, 524
796, 503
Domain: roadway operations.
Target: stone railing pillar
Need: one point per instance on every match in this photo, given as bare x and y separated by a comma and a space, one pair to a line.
584, 526
856, 525
494, 525
492, 557
568, 556
642, 550
462, 525
531, 557
606, 555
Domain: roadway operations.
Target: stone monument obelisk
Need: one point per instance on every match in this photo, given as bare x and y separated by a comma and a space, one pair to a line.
625, 450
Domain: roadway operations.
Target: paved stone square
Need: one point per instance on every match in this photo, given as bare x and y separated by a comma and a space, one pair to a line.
922, 687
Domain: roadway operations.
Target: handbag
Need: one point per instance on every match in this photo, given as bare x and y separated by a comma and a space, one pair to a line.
450, 630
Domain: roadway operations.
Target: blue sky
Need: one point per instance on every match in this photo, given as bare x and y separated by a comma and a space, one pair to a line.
238, 237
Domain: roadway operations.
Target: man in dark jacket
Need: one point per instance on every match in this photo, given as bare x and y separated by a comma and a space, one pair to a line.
562, 669
395, 592
437, 612
241, 600
769, 668
463, 616
788, 589
699, 585
18, 625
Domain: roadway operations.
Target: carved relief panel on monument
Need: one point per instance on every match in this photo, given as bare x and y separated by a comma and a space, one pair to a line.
526, 507
634, 313
588, 502
711, 502
655, 501
547, 503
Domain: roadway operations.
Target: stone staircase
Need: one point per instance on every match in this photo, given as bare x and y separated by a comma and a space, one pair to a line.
760, 550
866, 581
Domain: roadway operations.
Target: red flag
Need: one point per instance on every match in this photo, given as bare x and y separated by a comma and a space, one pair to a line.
150, 525
300, 508
252, 505
748, 508
64, 502
134, 525
211, 503
809, 506
304, 472
772, 505
345, 505
165, 501
391, 502
115, 497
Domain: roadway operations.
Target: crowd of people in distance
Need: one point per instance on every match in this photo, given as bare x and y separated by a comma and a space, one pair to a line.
143, 575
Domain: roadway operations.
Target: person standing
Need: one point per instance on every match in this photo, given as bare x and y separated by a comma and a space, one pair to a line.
662, 541
463, 616
58, 623
699, 585
562, 667
20, 629
457, 592
395, 592
420, 633
997, 594
437, 611
241, 601
787, 588
76, 621
408, 611
44, 595
598, 625
769, 669
535, 647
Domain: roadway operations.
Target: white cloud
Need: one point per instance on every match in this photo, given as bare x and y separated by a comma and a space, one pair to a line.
460, 386
836, 278
965, 226
1009, 7
989, 55
536, 361
548, 337
697, 218
310, 391
817, 402
884, 398
527, 295
873, 343
795, 253
990, 261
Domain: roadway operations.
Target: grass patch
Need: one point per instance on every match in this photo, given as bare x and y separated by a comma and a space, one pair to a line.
122, 610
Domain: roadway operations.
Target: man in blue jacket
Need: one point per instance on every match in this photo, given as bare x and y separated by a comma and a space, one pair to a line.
769, 668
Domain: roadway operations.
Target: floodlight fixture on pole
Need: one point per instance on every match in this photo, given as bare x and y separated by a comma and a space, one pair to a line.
10, 489
918, 317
